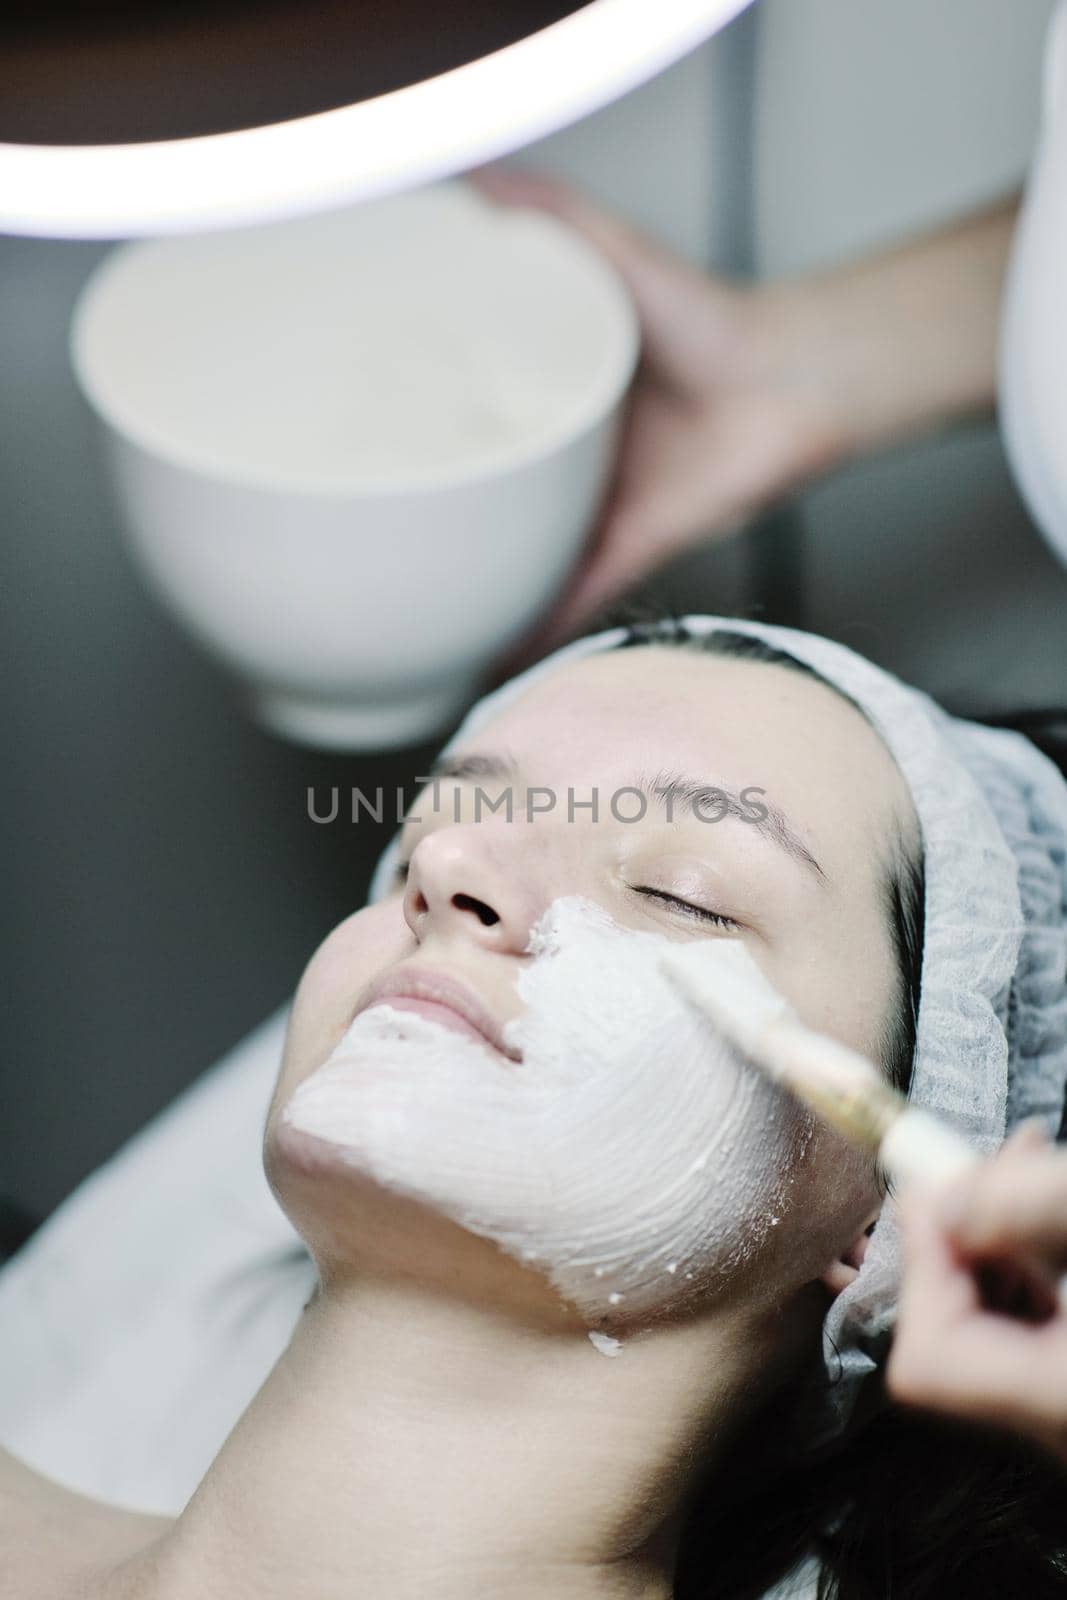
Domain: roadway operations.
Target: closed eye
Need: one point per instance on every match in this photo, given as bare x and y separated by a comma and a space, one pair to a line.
686, 907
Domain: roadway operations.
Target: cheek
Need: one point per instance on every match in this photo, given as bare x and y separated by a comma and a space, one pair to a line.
835, 1194
842, 980
344, 964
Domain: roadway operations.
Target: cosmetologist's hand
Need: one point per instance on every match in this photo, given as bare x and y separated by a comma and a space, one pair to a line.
951, 1352
724, 414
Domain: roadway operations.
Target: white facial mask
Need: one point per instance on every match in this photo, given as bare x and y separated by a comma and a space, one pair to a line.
631, 1156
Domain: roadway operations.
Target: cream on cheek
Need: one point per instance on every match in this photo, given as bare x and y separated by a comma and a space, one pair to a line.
631, 1156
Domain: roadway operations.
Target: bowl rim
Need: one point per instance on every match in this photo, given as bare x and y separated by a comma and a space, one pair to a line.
593, 407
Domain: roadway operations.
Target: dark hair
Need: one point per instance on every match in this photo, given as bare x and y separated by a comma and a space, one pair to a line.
908, 1506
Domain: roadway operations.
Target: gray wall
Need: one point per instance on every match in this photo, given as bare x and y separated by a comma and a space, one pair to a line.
163, 883
876, 120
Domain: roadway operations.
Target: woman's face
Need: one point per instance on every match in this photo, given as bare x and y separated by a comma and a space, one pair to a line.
793, 864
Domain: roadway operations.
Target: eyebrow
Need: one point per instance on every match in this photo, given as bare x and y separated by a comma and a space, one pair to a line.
663, 789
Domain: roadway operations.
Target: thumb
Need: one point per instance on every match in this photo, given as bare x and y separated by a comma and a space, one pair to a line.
937, 1286
659, 282
1016, 1202
613, 567
574, 612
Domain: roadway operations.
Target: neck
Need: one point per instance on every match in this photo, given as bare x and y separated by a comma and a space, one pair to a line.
409, 1444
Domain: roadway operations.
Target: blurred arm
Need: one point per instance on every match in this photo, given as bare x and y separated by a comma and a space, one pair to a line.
905, 340
747, 392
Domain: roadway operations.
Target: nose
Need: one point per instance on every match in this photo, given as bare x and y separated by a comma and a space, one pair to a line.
460, 884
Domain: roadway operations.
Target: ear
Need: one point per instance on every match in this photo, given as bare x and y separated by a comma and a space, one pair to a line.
843, 1269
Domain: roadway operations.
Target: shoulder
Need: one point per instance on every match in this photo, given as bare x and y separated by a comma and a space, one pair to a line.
52, 1539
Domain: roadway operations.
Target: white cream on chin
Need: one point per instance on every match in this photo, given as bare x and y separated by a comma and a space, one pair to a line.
631, 1156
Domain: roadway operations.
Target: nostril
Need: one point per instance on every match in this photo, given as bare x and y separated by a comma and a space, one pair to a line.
485, 914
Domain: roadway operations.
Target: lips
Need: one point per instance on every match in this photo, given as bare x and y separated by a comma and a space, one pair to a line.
442, 999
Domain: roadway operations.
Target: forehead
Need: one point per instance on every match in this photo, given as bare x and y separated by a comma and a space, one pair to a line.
656, 711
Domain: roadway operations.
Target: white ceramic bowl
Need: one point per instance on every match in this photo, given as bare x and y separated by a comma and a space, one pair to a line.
358, 454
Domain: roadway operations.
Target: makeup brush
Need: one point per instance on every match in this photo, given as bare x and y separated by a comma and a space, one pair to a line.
841, 1085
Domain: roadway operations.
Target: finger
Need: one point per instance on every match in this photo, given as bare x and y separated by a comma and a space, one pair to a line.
937, 1295
569, 619
938, 1298
953, 1200
952, 1355
658, 280
539, 641
938, 1288
624, 245
604, 581
570, 616
989, 1369
1028, 1136
603, 577
1017, 1202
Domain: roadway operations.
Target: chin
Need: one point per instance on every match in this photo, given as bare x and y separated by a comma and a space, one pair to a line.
357, 1230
